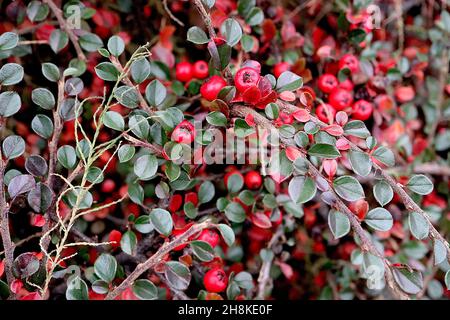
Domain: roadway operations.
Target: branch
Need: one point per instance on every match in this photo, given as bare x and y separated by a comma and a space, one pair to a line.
151, 262
366, 244
408, 202
264, 279
63, 24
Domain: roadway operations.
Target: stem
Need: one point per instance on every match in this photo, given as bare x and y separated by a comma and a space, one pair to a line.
63, 24
151, 262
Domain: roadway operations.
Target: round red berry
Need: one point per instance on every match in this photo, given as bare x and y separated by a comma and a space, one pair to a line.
184, 132
245, 78
211, 88
327, 83
253, 180
215, 280
349, 61
362, 110
108, 186
280, 67
340, 99
184, 71
201, 69
325, 113
210, 236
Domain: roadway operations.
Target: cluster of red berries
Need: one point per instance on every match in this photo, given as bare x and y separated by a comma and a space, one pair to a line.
186, 71
340, 94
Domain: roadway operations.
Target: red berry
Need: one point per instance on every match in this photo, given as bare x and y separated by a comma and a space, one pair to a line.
211, 88
184, 132
210, 236
349, 61
115, 236
215, 280
280, 67
201, 69
340, 99
325, 112
362, 110
347, 84
327, 83
184, 71
245, 78
253, 180
108, 186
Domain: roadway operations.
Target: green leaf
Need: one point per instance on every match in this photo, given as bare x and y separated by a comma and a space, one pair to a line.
217, 118
235, 213
67, 156
356, 128
197, 35
125, 153
235, 182
128, 242
90, 42
383, 193
105, 267
116, 45
206, 192
247, 42
379, 219
244, 280
114, 120
202, 250
244, 6
178, 275
136, 193
13, 147
11, 73
162, 221
190, 210
232, 31
145, 167
348, 188
43, 98
155, 93
302, 189
107, 71
439, 252
143, 224
360, 162
410, 281
127, 96
384, 155
42, 125
326, 151
339, 223
145, 290
77, 289
227, 234
50, 71
418, 225
58, 40
289, 81
420, 184
10, 103
139, 126
37, 11
8, 41
140, 70
356, 36
21, 184
254, 17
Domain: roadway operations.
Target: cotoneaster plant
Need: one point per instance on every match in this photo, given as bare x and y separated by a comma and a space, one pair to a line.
107, 188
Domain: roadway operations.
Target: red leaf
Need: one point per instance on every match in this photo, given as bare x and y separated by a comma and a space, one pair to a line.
330, 167
334, 130
342, 144
250, 120
287, 96
302, 115
261, 220
252, 95
293, 153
